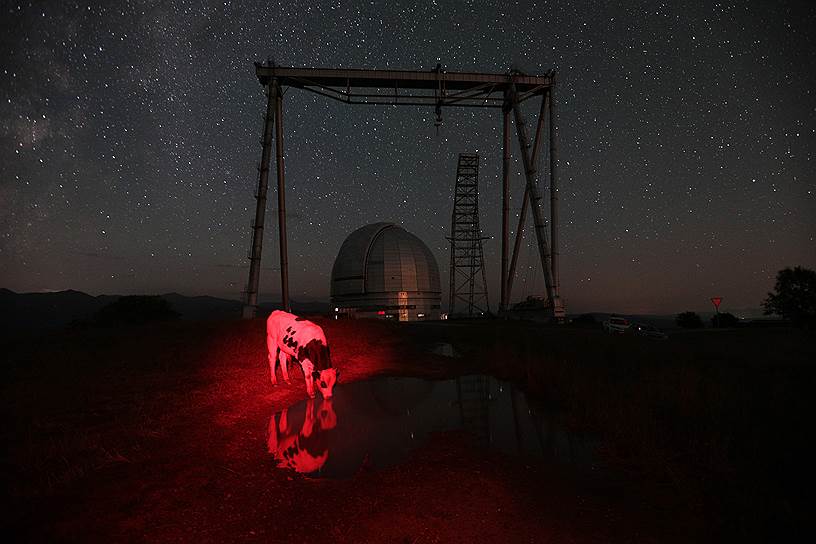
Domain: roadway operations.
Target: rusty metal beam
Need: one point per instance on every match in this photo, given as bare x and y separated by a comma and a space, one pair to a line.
402, 100
554, 194
383, 87
530, 174
505, 203
404, 79
284, 254
526, 200
251, 301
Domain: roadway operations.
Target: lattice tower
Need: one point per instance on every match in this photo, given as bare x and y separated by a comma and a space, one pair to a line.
468, 282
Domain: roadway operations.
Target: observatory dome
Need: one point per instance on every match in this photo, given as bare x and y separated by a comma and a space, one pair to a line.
384, 271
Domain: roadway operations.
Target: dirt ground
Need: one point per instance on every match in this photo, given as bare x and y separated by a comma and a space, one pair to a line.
157, 433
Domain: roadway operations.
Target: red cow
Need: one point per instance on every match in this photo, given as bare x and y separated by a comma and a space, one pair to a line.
289, 336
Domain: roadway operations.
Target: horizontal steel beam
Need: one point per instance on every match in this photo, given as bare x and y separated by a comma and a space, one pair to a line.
400, 79
386, 100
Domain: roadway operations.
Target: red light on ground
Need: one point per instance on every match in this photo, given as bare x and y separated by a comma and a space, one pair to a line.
381, 312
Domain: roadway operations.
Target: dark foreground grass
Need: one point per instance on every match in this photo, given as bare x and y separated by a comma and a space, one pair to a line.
155, 432
724, 417
79, 400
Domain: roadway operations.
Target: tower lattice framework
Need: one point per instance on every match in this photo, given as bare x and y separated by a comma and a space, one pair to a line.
468, 282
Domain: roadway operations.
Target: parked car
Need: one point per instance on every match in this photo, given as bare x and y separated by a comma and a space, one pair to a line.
649, 331
617, 325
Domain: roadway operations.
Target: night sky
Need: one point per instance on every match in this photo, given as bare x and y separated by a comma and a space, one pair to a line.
129, 137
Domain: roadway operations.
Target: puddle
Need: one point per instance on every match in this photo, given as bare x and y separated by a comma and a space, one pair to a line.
377, 423
444, 349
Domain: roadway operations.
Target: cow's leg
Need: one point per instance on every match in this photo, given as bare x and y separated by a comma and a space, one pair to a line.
272, 435
272, 347
284, 363
308, 368
283, 424
309, 420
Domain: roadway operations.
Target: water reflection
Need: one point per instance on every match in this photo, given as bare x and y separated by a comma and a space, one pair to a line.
302, 445
377, 423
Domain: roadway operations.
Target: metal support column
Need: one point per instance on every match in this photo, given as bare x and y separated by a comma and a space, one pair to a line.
284, 259
505, 293
526, 199
251, 301
535, 205
554, 193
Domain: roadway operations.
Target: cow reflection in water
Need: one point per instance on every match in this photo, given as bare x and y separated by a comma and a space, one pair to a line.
306, 449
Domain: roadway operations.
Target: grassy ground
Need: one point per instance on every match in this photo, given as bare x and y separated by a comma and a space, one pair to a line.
157, 433
722, 416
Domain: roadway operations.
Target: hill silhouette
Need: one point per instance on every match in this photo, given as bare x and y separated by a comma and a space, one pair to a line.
22, 311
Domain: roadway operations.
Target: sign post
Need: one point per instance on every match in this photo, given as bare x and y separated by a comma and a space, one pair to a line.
716, 302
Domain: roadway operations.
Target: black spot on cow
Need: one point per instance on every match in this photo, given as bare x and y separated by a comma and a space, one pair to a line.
289, 328
317, 353
290, 342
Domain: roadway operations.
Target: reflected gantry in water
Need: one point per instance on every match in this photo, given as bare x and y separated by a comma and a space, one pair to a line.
377, 423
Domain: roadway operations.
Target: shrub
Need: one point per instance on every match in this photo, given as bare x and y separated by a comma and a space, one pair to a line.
586, 321
135, 310
689, 320
724, 320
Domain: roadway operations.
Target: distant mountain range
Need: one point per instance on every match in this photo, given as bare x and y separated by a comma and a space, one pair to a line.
20, 311
49, 310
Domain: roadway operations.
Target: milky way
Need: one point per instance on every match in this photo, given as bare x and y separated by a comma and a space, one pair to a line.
129, 137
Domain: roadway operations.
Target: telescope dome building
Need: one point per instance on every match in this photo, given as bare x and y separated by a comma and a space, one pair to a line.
384, 271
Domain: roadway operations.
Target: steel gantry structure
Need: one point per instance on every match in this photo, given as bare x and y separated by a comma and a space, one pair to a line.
437, 88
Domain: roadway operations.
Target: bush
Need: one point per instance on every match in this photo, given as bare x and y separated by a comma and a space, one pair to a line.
724, 320
795, 296
586, 321
689, 320
137, 309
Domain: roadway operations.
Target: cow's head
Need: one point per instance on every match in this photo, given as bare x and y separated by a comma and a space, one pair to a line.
323, 375
325, 380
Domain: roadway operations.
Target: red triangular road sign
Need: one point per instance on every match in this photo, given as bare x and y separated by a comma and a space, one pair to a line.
716, 301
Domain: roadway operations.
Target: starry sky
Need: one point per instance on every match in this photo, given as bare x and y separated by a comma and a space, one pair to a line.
129, 138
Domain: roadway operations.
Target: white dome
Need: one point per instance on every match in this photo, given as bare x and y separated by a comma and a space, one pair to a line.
382, 268
383, 257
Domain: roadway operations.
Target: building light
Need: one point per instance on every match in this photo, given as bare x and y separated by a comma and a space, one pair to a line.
420, 315
337, 309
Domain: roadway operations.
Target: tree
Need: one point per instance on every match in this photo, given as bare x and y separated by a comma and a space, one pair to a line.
689, 320
795, 296
585, 320
724, 320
